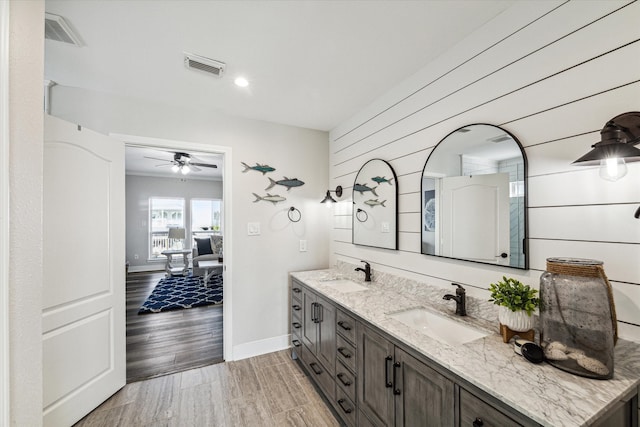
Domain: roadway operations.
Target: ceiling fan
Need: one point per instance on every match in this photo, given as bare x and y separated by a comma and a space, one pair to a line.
184, 163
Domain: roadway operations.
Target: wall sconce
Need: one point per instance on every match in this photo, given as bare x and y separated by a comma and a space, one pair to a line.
329, 200
616, 147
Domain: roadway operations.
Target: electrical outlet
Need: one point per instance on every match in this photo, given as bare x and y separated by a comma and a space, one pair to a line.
385, 227
303, 246
136, 256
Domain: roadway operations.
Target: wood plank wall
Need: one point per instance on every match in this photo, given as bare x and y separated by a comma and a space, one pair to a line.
551, 73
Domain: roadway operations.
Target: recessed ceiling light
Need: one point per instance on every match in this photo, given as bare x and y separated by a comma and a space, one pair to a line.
241, 81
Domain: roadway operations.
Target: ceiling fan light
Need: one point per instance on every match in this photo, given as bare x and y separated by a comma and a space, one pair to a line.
185, 169
175, 168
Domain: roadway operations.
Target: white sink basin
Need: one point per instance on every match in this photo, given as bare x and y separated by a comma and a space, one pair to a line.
438, 327
344, 285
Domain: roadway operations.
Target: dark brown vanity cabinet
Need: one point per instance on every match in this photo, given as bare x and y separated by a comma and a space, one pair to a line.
396, 389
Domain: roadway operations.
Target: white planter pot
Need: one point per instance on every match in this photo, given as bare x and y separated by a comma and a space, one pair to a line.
518, 321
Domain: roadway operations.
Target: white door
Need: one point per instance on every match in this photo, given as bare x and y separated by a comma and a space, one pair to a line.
475, 218
83, 315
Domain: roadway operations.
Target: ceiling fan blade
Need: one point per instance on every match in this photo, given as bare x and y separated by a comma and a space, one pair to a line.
194, 167
163, 165
204, 165
155, 158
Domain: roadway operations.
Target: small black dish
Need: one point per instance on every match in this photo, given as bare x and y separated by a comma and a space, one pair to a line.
532, 352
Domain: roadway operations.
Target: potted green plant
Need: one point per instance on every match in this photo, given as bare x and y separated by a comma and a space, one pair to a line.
516, 302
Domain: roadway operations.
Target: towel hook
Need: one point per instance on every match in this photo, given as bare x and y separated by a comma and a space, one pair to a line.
358, 216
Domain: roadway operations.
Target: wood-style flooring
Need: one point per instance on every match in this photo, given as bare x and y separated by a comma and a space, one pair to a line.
172, 341
268, 390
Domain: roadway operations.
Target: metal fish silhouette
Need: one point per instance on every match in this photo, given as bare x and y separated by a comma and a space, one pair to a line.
375, 202
362, 188
258, 167
286, 182
381, 179
273, 198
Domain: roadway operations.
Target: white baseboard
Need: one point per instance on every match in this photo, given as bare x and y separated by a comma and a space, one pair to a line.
141, 268
256, 348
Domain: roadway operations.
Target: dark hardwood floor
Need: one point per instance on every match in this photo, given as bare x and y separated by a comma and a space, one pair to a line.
168, 342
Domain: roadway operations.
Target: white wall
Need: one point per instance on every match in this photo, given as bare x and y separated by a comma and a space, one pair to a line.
26, 65
551, 73
139, 189
260, 263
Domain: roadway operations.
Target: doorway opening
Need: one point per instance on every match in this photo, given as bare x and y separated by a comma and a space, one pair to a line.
176, 299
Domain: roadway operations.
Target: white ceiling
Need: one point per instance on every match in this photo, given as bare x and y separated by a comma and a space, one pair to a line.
311, 64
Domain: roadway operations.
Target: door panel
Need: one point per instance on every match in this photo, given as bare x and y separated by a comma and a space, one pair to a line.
426, 397
327, 339
375, 366
83, 317
475, 218
310, 327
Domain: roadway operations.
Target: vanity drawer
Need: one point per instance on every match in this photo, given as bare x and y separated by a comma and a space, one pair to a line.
346, 326
346, 353
296, 293
318, 373
346, 380
345, 407
476, 412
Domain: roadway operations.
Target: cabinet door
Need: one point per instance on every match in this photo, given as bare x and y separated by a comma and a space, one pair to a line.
309, 325
326, 345
375, 366
423, 397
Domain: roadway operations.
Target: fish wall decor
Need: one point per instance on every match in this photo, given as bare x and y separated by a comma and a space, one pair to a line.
258, 167
381, 179
372, 203
286, 182
361, 188
273, 198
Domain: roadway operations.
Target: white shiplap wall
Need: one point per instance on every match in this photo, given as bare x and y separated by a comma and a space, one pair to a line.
551, 73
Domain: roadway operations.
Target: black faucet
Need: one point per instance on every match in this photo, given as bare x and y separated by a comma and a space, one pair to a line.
460, 298
367, 271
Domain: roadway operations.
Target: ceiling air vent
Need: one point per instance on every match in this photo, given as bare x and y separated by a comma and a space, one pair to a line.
207, 65
56, 28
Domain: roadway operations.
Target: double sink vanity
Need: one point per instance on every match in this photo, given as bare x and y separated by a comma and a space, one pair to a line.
391, 352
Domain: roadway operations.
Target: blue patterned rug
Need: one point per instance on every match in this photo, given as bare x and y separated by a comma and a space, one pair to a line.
175, 293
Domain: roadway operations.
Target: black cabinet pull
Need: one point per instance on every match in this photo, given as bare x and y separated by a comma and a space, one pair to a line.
396, 391
387, 383
344, 353
312, 365
296, 325
297, 290
344, 325
478, 422
296, 307
346, 410
314, 313
296, 343
345, 383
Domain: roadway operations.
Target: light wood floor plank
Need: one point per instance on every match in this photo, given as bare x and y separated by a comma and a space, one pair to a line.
233, 394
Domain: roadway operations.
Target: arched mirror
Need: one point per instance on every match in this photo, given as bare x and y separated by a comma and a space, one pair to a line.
375, 206
474, 198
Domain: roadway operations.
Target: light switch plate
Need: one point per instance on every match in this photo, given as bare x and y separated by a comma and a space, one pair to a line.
385, 227
253, 229
303, 246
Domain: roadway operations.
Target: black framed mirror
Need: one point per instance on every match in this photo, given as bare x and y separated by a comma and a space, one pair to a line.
474, 198
375, 206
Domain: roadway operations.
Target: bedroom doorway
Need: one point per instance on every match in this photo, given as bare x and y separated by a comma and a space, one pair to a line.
169, 331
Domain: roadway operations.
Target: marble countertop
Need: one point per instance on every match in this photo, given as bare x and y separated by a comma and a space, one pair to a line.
545, 394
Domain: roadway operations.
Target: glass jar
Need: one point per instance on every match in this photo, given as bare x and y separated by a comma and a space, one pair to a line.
578, 326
